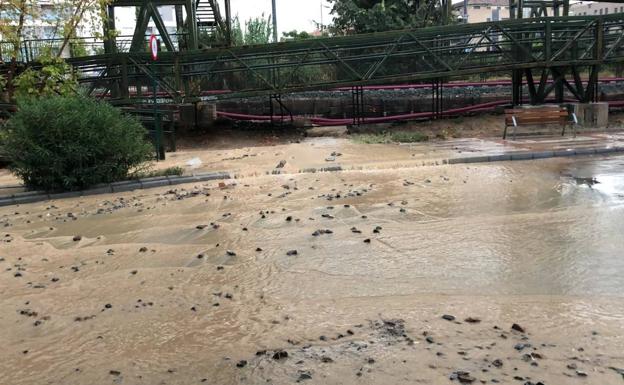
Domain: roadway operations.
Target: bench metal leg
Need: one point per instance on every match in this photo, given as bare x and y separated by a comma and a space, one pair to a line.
505, 133
563, 132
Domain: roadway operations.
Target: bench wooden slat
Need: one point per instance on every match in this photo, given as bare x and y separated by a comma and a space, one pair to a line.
536, 116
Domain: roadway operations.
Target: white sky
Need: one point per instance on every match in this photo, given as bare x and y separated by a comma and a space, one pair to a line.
291, 14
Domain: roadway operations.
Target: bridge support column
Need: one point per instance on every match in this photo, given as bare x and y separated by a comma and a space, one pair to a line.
357, 102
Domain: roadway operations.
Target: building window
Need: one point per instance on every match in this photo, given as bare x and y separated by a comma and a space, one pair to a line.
488, 19
601, 11
476, 7
606, 11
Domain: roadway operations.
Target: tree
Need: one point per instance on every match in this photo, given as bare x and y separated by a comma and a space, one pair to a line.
364, 16
258, 30
66, 17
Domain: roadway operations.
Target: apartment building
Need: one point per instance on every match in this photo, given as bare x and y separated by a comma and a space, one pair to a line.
590, 8
479, 11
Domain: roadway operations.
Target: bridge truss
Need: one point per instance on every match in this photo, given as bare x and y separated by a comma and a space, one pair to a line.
551, 53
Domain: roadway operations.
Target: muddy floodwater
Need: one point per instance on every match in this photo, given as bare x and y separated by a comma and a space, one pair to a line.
399, 276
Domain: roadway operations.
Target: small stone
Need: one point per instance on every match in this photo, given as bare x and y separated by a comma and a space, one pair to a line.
448, 317
497, 363
280, 354
472, 320
108, 306
367, 240
77, 238
230, 253
241, 364
429, 339
517, 328
304, 375
581, 373
143, 250
114, 372
291, 252
462, 376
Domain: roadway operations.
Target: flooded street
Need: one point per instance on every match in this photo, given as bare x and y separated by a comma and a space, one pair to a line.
324, 278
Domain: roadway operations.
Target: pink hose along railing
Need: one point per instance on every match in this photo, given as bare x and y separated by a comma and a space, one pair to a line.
483, 107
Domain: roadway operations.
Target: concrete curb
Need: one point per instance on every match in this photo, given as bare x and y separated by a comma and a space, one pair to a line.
125, 186
535, 155
142, 184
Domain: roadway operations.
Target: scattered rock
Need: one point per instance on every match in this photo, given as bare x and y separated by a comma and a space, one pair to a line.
498, 363
472, 320
291, 252
462, 376
448, 317
517, 328
280, 354
241, 364
77, 238
304, 375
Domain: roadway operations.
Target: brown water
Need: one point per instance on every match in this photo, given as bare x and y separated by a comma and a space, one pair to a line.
536, 243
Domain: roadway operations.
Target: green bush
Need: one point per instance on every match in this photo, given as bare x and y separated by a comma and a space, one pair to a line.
71, 143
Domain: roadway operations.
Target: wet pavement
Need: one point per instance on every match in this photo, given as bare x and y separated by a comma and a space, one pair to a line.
324, 278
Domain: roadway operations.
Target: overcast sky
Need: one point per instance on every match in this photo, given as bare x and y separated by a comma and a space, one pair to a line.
291, 14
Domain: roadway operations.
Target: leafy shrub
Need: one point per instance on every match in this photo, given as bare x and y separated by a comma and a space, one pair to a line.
170, 171
71, 143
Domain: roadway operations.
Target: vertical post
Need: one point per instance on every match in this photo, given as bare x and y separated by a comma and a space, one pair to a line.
110, 44
274, 21
160, 151
228, 22
125, 85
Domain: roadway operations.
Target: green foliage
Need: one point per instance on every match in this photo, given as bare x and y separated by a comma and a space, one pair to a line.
295, 35
71, 143
258, 30
173, 171
55, 77
408, 137
390, 137
363, 16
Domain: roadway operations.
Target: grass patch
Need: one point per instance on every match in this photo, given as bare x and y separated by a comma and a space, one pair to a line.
171, 171
390, 137
408, 137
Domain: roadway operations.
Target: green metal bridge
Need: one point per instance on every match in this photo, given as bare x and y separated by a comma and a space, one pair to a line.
550, 53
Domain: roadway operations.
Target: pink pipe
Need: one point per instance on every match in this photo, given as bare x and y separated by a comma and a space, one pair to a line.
483, 107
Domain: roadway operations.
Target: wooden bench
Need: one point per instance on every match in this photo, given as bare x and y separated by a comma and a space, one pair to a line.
538, 116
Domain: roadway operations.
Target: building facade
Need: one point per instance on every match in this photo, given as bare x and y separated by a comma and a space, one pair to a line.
480, 11
590, 8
